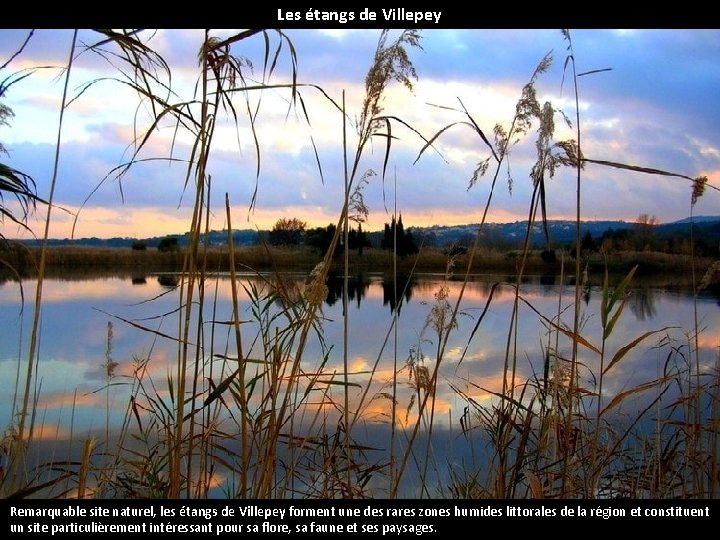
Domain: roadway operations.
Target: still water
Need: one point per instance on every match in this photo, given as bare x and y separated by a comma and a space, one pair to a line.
95, 335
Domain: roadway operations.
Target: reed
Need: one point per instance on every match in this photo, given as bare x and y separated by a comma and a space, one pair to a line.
251, 405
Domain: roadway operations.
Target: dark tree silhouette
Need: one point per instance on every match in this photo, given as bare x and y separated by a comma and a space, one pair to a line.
395, 232
287, 232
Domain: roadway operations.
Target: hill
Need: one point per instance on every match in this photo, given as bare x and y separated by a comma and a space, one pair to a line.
502, 235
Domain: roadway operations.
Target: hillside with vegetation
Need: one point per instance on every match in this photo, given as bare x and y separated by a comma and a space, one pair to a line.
673, 237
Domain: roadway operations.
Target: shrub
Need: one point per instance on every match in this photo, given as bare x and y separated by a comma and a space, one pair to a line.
169, 243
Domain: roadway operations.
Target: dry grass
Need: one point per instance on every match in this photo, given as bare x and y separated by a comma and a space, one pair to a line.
76, 260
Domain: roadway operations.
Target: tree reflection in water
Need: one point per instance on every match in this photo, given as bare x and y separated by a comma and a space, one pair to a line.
642, 303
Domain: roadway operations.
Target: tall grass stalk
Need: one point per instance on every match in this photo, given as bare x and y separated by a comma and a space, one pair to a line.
346, 272
244, 440
221, 74
394, 477
390, 62
527, 108
84, 468
19, 450
576, 313
199, 367
695, 349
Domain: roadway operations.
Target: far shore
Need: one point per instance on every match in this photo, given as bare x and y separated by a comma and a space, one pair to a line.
22, 263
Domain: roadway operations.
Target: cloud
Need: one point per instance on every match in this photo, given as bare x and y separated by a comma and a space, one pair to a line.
654, 107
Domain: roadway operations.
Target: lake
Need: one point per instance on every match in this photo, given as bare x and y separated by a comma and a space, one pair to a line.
99, 337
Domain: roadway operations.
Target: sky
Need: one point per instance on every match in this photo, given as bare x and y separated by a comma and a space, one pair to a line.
651, 101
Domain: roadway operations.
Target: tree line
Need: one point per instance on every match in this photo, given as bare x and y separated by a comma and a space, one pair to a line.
294, 232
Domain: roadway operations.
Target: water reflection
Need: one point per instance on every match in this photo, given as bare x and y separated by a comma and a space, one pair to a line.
74, 395
168, 280
398, 291
642, 303
358, 286
395, 291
